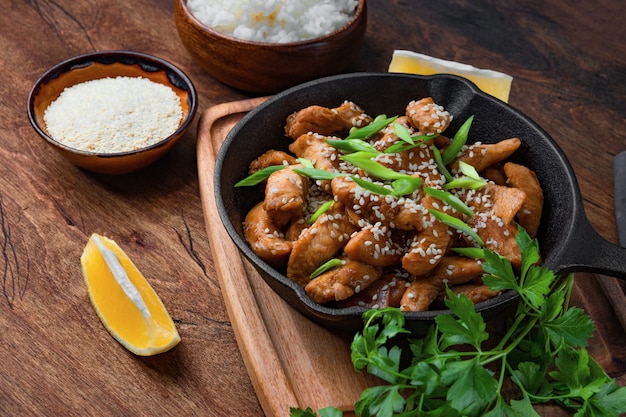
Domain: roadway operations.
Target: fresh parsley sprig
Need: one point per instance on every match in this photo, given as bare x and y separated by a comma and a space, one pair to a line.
451, 372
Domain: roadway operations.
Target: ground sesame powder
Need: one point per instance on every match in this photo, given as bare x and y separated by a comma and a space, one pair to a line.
112, 115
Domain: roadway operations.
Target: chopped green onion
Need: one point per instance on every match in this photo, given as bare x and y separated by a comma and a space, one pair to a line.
465, 182
403, 133
325, 267
351, 145
259, 176
405, 186
307, 163
450, 199
469, 170
321, 210
457, 224
378, 124
471, 179
317, 174
440, 164
457, 142
368, 185
474, 253
363, 160
403, 147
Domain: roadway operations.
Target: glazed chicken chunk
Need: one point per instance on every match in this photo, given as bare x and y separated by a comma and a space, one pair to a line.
319, 243
325, 121
375, 221
342, 282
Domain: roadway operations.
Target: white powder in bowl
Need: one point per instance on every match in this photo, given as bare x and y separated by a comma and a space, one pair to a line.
112, 115
274, 21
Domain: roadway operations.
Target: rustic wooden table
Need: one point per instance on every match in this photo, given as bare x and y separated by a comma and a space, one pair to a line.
569, 65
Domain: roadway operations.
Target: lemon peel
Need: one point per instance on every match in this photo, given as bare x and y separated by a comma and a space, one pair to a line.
491, 82
126, 304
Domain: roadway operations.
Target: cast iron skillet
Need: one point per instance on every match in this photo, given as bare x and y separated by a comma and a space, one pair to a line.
567, 240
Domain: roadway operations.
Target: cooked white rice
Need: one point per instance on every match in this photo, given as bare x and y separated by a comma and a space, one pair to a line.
274, 21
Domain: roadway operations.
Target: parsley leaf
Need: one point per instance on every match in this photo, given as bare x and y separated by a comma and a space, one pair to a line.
469, 328
451, 374
472, 387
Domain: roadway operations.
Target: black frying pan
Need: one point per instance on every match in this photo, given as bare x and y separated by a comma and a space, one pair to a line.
568, 242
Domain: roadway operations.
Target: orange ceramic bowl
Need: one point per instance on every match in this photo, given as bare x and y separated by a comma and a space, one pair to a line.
99, 65
265, 68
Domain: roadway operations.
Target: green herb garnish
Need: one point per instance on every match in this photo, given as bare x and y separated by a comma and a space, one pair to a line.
457, 224
400, 187
368, 185
405, 186
259, 176
351, 145
406, 146
440, 165
325, 267
317, 174
469, 170
465, 182
450, 199
364, 161
379, 123
321, 210
306, 163
470, 180
459, 140
403, 132
453, 374
474, 253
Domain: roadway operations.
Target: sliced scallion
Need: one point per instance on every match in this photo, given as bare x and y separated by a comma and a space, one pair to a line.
317, 174
351, 145
402, 132
306, 163
405, 186
370, 186
259, 176
450, 199
378, 124
363, 160
403, 146
440, 165
457, 224
321, 210
474, 253
459, 140
325, 267
469, 170
465, 182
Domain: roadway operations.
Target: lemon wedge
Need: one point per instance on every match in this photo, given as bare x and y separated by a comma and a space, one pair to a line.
127, 305
491, 82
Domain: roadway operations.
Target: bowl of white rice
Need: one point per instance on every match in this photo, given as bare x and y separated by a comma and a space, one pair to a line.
112, 112
263, 47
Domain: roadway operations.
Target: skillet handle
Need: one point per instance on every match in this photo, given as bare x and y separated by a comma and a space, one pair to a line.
587, 251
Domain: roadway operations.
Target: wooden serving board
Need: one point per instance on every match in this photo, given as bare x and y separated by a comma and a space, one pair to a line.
293, 362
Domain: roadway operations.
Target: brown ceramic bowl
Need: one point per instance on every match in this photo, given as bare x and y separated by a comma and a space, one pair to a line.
111, 64
263, 68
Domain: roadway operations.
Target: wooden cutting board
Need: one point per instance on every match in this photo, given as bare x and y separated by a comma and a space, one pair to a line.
293, 362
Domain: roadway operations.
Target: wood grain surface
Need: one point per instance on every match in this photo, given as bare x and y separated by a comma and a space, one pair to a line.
569, 64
